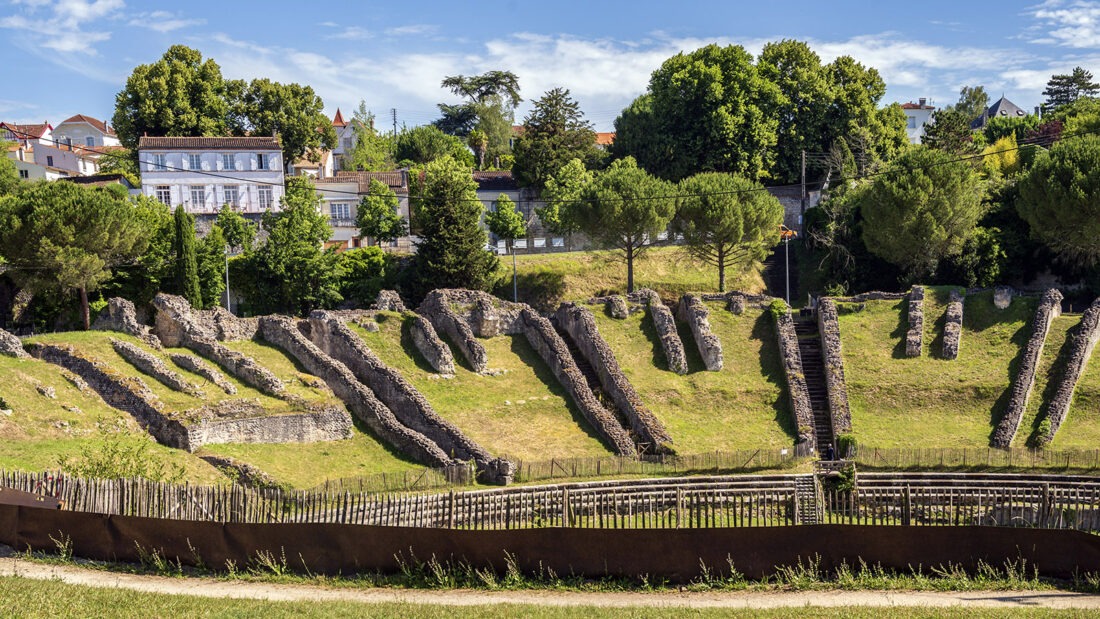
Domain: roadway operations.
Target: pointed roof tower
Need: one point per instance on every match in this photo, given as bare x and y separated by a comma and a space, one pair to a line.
338, 120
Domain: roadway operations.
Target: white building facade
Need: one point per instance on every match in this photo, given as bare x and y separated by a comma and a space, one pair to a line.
917, 115
204, 173
85, 131
340, 197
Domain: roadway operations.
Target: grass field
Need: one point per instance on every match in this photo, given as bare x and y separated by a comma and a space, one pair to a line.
1081, 428
743, 406
1051, 365
928, 401
522, 412
545, 280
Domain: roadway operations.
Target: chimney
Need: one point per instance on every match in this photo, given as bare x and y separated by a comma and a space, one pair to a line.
922, 101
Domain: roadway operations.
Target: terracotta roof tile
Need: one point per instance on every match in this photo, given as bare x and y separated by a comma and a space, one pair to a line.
210, 143
605, 138
338, 120
27, 131
396, 180
95, 122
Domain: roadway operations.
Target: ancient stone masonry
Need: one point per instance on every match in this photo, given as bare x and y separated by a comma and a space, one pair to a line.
1082, 341
952, 327
874, 295
226, 326
914, 338
834, 367
428, 343
359, 399
616, 306
244, 421
11, 346
388, 300
735, 303
408, 405
242, 473
176, 326
579, 323
194, 364
121, 315
666, 330
1002, 297
1050, 306
554, 351
153, 366
437, 310
796, 381
695, 313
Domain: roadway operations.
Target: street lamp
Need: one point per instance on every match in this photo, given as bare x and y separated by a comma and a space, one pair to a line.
787, 234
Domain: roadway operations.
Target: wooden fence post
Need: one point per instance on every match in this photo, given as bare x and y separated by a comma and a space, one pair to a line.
565, 517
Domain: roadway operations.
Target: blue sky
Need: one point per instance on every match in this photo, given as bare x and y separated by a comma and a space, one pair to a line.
64, 57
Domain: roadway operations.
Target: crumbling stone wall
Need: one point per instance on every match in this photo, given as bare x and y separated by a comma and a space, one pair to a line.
695, 313
553, 350
801, 407
175, 318
155, 367
428, 343
228, 327
914, 338
616, 306
410, 407
666, 330
121, 315
316, 424
735, 303
360, 400
1002, 297
874, 295
389, 301
952, 327
1082, 340
1050, 306
580, 324
829, 329
240, 472
246, 369
437, 310
204, 369
11, 346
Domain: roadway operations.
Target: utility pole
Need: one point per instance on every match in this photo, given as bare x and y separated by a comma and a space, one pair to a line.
393, 142
227, 307
802, 209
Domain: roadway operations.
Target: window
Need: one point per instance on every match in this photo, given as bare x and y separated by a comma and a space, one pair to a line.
519, 244
159, 162
49, 160
89, 141
164, 195
557, 242
912, 122
265, 195
194, 162
24, 174
232, 195
261, 161
347, 144
229, 162
540, 242
198, 195
340, 210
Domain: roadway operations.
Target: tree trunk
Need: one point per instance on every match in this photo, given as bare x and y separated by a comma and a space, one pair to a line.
85, 311
721, 270
629, 270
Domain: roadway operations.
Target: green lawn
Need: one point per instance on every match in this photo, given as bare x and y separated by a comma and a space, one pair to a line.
743, 406
545, 280
523, 412
1081, 428
1051, 366
928, 401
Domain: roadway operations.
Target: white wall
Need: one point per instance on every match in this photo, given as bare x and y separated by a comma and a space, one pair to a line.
214, 178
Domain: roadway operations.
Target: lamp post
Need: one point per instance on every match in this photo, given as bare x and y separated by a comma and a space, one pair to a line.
787, 234
227, 305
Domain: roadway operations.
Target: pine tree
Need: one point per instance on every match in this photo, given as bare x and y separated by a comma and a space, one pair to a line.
187, 266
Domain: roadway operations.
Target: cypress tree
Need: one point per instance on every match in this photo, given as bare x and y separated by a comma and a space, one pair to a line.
187, 266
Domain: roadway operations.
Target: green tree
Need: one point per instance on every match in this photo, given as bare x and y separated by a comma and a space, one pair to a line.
623, 208
451, 251
507, 223
63, 237
291, 271
727, 221
179, 95
421, 145
211, 262
554, 133
239, 233
372, 151
378, 215
562, 190
1066, 88
1060, 199
293, 112
973, 102
154, 270
492, 98
187, 266
478, 141
123, 162
363, 274
1003, 126
711, 110
875, 134
949, 132
9, 176
921, 211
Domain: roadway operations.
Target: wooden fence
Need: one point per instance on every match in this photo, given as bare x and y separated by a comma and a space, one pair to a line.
690, 502
975, 458
613, 466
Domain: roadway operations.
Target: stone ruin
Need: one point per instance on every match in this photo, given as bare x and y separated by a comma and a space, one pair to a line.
1050, 306
389, 301
1002, 297
1082, 341
833, 360
434, 350
914, 337
11, 346
665, 325
120, 315
952, 326
617, 308
695, 313
801, 407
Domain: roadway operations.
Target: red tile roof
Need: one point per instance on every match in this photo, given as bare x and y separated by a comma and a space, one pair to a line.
205, 143
396, 180
25, 132
338, 120
916, 106
95, 122
605, 138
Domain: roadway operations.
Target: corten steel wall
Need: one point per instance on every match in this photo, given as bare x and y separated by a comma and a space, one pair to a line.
672, 554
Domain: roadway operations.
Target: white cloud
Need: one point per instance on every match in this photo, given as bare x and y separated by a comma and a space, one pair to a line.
412, 29
63, 30
163, 21
1071, 24
350, 33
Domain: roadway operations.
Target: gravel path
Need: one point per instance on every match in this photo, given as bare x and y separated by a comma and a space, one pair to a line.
205, 587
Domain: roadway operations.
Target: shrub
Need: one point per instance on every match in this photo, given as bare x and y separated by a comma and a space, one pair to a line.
778, 307
845, 445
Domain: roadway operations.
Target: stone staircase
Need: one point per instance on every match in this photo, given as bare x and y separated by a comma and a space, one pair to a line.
813, 368
805, 496
775, 273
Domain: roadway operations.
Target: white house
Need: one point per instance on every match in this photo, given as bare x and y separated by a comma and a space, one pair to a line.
204, 173
345, 139
917, 115
81, 130
340, 197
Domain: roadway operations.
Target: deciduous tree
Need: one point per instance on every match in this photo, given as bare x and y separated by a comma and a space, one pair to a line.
421, 145
372, 151
378, 216
293, 112
562, 190
727, 221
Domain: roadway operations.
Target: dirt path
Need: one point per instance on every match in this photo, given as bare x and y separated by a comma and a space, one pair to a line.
205, 587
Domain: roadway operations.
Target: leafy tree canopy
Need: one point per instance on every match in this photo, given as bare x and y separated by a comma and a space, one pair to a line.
422, 145
364, 271
554, 133
562, 189
372, 151
378, 215
491, 100
949, 132
505, 221
9, 176
1066, 88
973, 102
238, 232
1060, 199
727, 221
293, 112
921, 211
